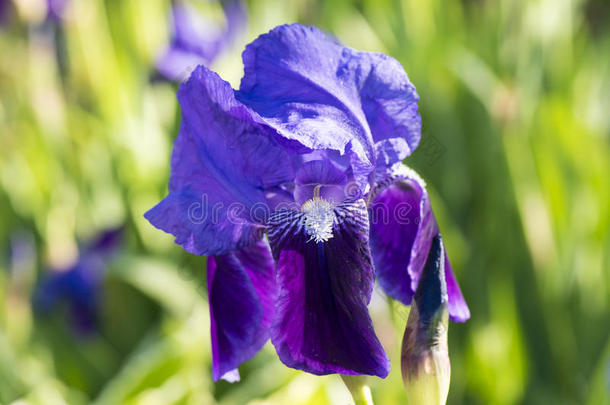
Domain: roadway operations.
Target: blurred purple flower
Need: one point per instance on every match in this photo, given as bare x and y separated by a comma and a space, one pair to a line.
5, 11
196, 40
22, 253
308, 151
79, 286
56, 9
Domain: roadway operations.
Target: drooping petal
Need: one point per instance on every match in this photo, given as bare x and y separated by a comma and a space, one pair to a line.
458, 309
322, 323
402, 229
223, 161
241, 291
327, 96
392, 241
258, 262
201, 222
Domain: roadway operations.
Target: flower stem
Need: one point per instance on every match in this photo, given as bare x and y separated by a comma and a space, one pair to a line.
361, 392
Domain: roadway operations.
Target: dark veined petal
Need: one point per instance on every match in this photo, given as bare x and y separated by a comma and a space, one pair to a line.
241, 291
402, 229
223, 160
322, 324
327, 96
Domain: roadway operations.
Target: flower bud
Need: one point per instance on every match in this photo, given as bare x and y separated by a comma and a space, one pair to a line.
425, 356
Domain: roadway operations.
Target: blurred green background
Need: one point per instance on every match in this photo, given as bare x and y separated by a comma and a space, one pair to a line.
515, 99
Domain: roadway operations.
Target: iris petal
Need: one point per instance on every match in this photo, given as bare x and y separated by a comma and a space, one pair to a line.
223, 161
241, 290
402, 229
458, 309
77, 287
322, 323
197, 40
327, 96
323, 175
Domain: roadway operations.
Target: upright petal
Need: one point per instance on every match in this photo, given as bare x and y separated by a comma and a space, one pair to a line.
327, 96
322, 323
241, 291
223, 161
56, 9
176, 63
197, 40
402, 229
195, 33
236, 16
323, 176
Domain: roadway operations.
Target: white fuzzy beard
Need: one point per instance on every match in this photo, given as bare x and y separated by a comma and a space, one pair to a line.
319, 219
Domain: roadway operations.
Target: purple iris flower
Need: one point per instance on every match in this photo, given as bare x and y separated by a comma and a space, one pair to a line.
308, 151
197, 41
56, 9
4, 9
79, 286
5, 12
